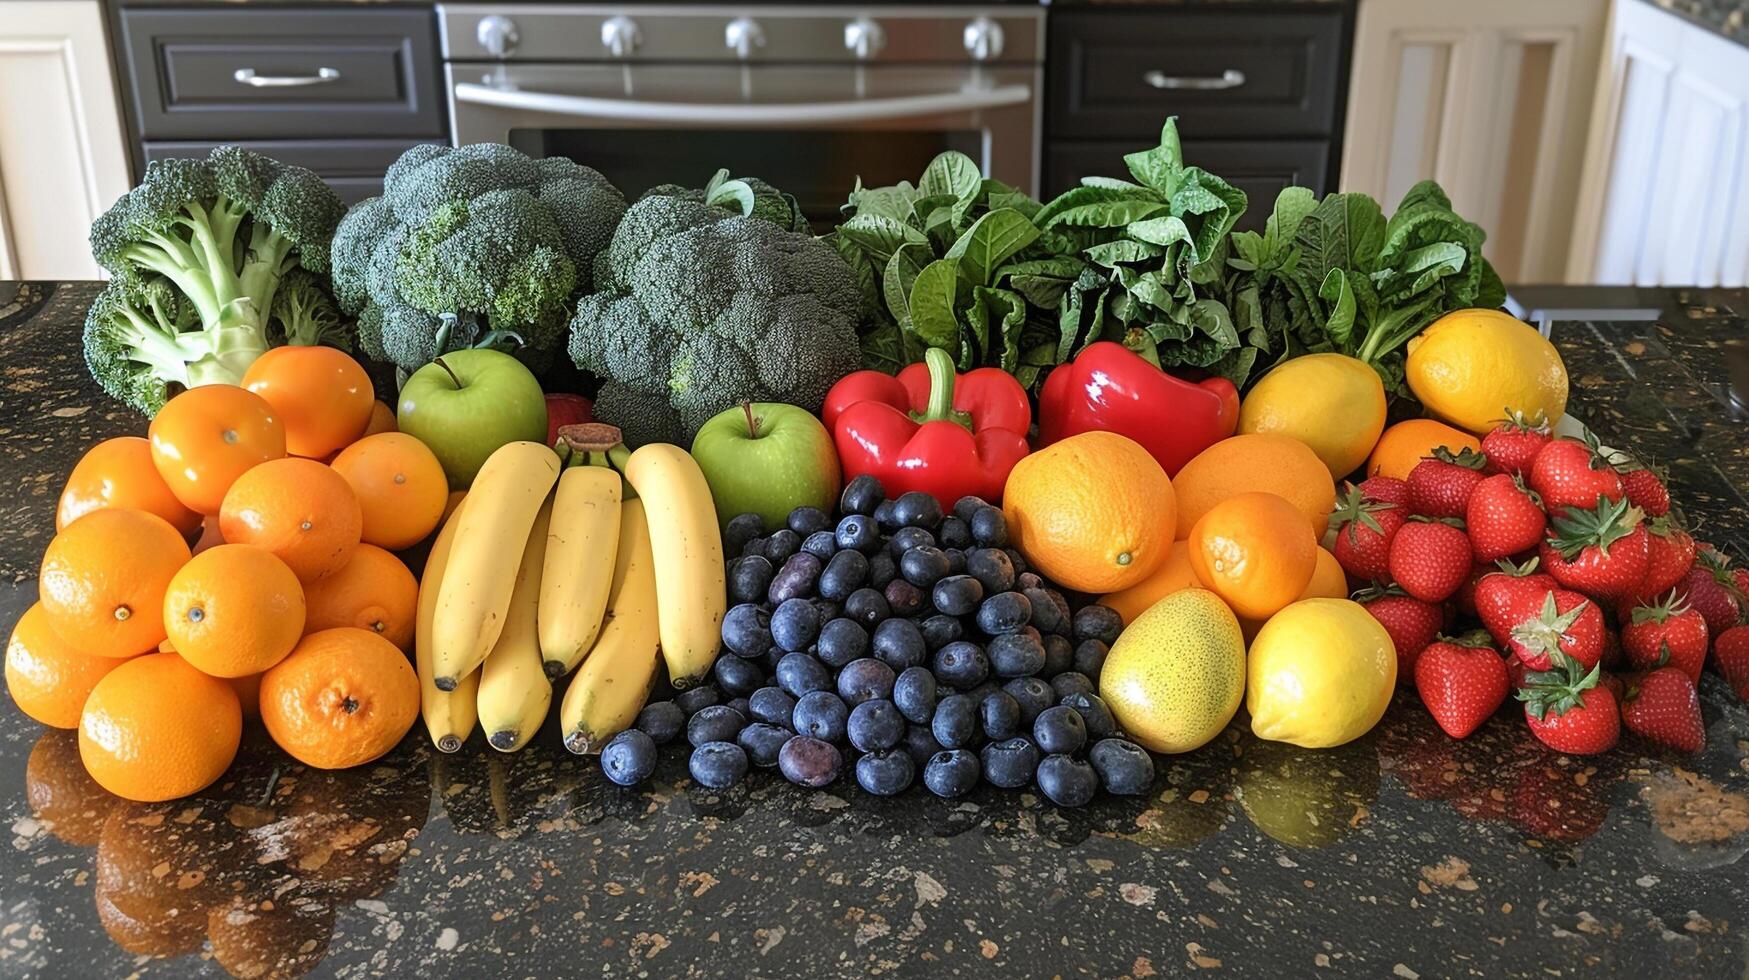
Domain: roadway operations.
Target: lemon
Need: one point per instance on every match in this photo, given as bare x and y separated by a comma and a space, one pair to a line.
1175, 677
1333, 403
1471, 367
1306, 798
1321, 674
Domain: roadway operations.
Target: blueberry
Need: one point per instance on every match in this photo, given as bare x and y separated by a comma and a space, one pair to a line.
663, 721
737, 677
882, 569
747, 630
1025, 580
920, 743
1016, 655
940, 630
992, 569
1065, 622
867, 607
1069, 682
782, 544
954, 533
826, 610
923, 566
754, 547
989, 528
820, 714
885, 773
859, 532
717, 723
861, 495
807, 519
957, 595
1094, 714
1090, 657
952, 773
1060, 729
693, 699
771, 705
841, 641
875, 725
741, 529
762, 742
1046, 616
795, 624
904, 598
865, 680
629, 758
772, 658
749, 578
955, 724
1059, 655
956, 561
962, 664
808, 761
1124, 767
1004, 612
1009, 764
906, 538
968, 505
846, 571
884, 519
799, 576
800, 673
1001, 715
821, 544
981, 691
899, 643
914, 694
917, 509
1100, 623
739, 706
717, 765
1066, 780
1033, 695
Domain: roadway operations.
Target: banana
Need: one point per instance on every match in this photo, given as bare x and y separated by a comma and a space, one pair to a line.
579, 568
481, 572
514, 691
449, 715
610, 689
685, 540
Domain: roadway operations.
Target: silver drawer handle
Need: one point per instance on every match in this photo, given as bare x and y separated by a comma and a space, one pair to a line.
1231, 78
247, 76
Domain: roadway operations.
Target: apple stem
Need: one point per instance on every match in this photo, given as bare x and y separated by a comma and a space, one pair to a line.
752, 420
446, 370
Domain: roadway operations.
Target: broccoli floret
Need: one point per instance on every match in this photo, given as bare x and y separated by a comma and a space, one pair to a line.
304, 315
699, 307
483, 232
210, 240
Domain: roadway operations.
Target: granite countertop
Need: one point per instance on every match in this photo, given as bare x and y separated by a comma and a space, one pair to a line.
1402, 854
1727, 18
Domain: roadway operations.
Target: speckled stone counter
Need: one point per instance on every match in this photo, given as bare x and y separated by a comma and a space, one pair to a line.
1726, 18
1401, 855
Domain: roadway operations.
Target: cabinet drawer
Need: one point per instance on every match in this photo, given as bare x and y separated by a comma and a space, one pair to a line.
1239, 74
354, 168
1260, 168
282, 72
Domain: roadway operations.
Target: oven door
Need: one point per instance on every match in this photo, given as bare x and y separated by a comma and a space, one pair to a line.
812, 130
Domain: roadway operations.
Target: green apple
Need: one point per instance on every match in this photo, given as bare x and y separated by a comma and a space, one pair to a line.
767, 458
467, 403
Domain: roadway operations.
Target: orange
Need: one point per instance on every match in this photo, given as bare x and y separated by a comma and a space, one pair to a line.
373, 592
1328, 581
1173, 574
61, 793
400, 486
210, 535
343, 698
382, 419
157, 729
1258, 461
302, 511
119, 473
234, 610
1255, 551
1404, 444
321, 394
103, 579
206, 437
48, 678
1094, 512
158, 867
156, 932
248, 688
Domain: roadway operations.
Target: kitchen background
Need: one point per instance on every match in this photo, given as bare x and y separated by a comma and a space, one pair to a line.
1600, 141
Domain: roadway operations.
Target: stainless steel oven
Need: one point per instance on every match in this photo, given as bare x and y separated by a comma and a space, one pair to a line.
810, 98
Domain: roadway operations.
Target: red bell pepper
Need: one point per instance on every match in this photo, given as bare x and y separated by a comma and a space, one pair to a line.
1112, 388
930, 429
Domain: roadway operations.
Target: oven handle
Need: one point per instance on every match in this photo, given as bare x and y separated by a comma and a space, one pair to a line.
718, 115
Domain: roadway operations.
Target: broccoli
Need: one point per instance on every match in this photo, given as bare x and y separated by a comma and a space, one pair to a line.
304, 315
197, 253
496, 240
699, 307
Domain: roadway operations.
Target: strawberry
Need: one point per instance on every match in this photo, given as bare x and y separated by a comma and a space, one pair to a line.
1568, 626
1731, 657
1462, 681
1669, 556
1363, 533
1712, 590
1663, 707
1440, 485
1644, 487
1503, 518
1430, 559
1514, 443
1411, 623
1465, 598
1567, 473
1385, 490
1568, 712
1600, 551
1517, 673
1666, 633
1740, 579
1509, 596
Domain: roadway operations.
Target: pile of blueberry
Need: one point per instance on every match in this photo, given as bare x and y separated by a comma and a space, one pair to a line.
898, 641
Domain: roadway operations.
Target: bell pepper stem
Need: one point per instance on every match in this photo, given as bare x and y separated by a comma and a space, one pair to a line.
941, 377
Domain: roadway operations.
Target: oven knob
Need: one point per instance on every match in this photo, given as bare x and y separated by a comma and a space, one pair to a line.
983, 39
743, 35
864, 38
497, 35
620, 35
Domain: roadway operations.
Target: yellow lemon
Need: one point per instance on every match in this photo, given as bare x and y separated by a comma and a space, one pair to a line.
1175, 677
1321, 673
1472, 367
1333, 403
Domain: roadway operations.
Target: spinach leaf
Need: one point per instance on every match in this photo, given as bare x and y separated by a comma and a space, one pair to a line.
934, 296
989, 242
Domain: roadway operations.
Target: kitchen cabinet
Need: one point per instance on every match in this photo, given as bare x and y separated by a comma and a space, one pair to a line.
1491, 98
63, 151
1664, 199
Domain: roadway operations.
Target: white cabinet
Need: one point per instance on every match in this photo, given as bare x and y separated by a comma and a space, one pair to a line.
63, 151
1665, 194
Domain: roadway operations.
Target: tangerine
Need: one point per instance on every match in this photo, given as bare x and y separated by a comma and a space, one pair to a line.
1264, 461
48, 678
206, 437
234, 610
155, 728
400, 486
1405, 444
102, 581
1255, 551
321, 394
1094, 512
299, 509
344, 697
375, 591
119, 473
